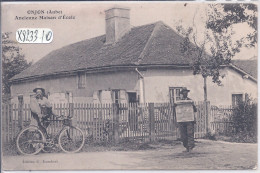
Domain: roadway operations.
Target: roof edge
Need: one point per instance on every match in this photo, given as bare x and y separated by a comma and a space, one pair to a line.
242, 71
101, 69
109, 68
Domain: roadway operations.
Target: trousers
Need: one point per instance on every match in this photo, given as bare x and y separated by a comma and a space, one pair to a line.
36, 122
187, 134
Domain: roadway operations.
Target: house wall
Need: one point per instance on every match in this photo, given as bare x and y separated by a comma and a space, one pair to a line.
156, 86
57, 87
127, 80
158, 81
233, 83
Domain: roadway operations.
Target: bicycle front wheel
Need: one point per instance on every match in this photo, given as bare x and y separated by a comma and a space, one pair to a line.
71, 139
30, 141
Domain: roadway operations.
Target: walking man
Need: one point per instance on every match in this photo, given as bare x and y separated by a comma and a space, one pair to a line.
187, 128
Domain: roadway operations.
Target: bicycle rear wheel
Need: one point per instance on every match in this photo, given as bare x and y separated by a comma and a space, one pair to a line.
30, 141
71, 139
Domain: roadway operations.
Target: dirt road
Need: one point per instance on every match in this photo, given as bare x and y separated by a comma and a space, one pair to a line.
207, 155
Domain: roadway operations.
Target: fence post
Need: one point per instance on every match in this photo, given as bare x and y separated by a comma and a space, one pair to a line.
116, 122
151, 122
71, 109
3, 125
207, 114
20, 112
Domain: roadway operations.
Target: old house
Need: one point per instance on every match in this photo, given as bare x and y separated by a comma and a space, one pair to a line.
129, 64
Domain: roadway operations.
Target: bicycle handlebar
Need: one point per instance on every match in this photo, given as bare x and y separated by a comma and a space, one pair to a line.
63, 117
59, 118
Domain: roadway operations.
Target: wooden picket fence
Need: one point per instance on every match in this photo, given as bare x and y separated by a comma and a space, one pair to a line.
201, 119
221, 120
144, 122
112, 122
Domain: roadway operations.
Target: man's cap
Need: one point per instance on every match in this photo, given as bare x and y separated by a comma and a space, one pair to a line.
39, 88
184, 90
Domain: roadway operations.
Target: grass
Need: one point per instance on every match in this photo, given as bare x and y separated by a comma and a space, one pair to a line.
238, 138
10, 149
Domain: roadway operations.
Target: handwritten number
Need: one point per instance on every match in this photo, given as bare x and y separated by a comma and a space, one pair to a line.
35, 35
42, 35
48, 36
28, 32
24, 35
31, 32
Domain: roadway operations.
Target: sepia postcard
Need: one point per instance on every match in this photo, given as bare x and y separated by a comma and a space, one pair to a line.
129, 86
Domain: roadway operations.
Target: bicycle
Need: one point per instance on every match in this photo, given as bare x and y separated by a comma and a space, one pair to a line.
70, 139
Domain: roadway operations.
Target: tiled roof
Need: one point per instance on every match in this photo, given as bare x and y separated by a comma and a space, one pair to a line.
149, 44
152, 44
249, 66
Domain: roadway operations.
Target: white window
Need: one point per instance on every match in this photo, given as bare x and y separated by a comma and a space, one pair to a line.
81, 80
236, 99
175, 94
116, 96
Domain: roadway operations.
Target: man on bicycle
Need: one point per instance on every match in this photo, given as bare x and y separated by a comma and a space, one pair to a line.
41, 109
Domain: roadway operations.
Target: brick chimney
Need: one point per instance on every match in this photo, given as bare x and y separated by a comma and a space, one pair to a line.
117, 23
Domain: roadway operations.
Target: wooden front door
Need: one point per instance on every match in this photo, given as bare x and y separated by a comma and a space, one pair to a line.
133, 118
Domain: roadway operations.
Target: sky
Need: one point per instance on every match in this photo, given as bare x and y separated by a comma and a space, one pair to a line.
89, 21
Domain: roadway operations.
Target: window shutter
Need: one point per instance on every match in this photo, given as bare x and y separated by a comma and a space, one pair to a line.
106, 97
95, 97
123, 96
81, 80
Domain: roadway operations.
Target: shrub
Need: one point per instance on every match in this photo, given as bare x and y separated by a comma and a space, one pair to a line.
210, 136
245, 119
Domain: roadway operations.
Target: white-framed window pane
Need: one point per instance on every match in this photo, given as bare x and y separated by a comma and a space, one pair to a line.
236, 99
116, 96
178, 94
175, 94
